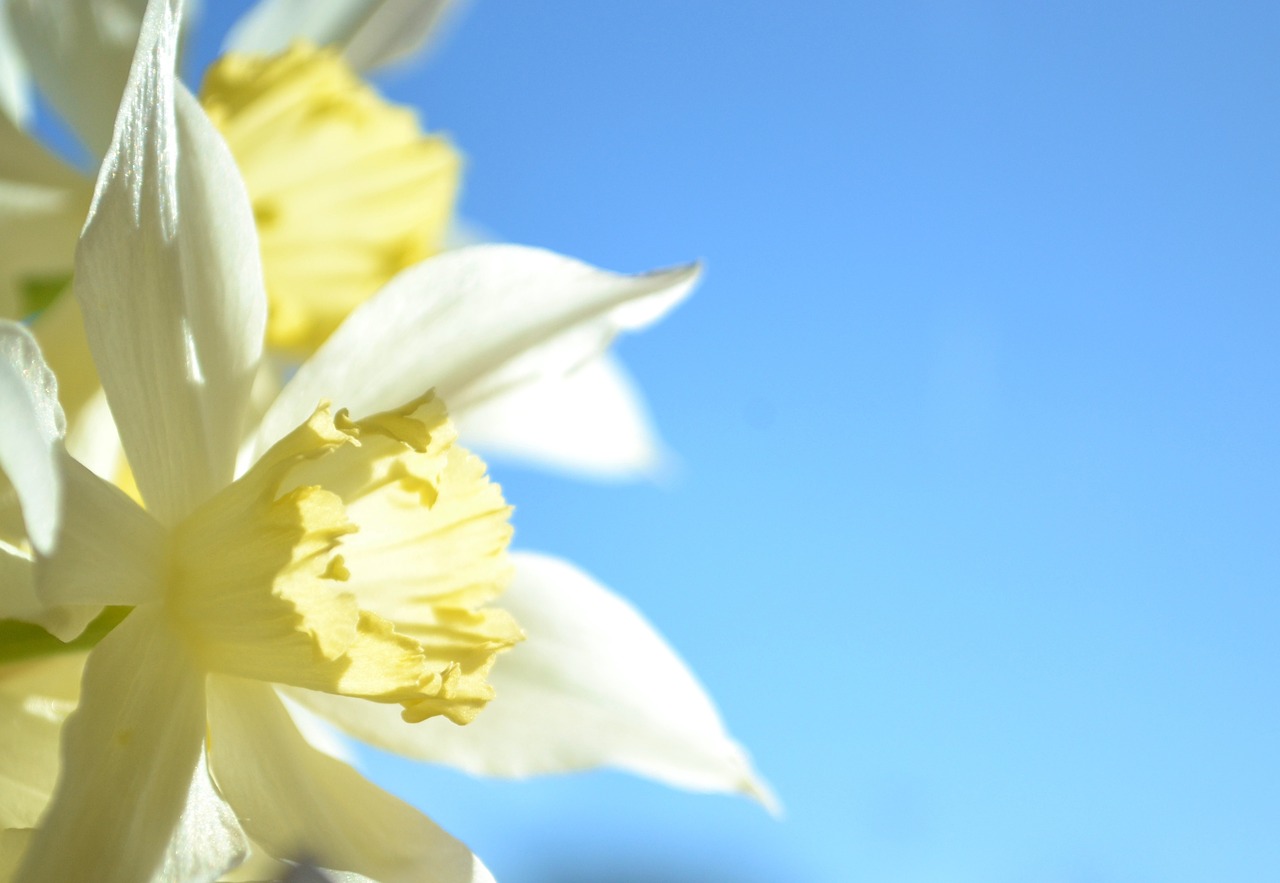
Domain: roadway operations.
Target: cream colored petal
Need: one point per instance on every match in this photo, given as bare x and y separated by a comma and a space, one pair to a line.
208, 840
28, 758
20, 603
169, 281
43, 203
17, 585
13, 843
57, 677
33, 428
59, 328
302, 804
593, 685
108, 550
93, 545
456, 321
371, 32
79, 53
92, 438
35, 698
129, 752
590, 421
15, 85
259, 868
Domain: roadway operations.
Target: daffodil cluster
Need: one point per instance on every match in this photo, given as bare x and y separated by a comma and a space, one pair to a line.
239, 374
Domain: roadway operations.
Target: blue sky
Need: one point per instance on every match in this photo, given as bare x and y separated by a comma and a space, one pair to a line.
974, 533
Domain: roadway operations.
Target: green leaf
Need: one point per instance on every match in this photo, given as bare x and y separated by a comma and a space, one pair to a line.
22, 641
38, 292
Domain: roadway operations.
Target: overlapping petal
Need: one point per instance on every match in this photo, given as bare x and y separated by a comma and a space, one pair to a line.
371, 33
593, 685
129, 752
42, 207
301, 804
15, 86
92, 545
108, 550
169, 282
171, 225
29, 727
34, 425
79, 52
590, 420
467, 323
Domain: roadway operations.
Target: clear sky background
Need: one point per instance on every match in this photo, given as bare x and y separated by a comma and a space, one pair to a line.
974, 533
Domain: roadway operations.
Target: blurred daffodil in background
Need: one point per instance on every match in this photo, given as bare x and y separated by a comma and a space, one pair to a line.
200, 554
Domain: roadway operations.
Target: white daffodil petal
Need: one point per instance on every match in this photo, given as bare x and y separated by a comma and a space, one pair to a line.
15, 85
79, 53
54, 677
94, 545
108, 550
302, 804
128, 754
208, 841
28, 758
371, 32
593, 685
19, 600
591, 421
43, 203
169, 280
17, 585
33, 428
13, 842
456, 320
93, 439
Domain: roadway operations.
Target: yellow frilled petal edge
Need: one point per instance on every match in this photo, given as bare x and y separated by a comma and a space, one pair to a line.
278, 577
346, 189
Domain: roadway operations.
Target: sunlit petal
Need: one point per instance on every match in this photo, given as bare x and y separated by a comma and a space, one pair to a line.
455, 321
15, 85
79, 53
129, 752
589, 421
33, 425
302, 804
593, 685
169, 281
28, 756
108, 550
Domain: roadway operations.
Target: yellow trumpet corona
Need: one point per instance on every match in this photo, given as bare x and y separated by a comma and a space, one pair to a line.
346, 189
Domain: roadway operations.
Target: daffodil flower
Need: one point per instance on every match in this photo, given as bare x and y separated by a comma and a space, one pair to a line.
577, 414
323, 553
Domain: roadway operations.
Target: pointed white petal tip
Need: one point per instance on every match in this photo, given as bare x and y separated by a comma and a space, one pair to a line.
754, 786
593, 686
473, 324
676, 283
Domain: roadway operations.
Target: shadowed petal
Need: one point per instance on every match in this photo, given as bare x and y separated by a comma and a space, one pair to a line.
129, 752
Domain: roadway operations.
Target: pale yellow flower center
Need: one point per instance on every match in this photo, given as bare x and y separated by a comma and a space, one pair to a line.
353, 558
346, 189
